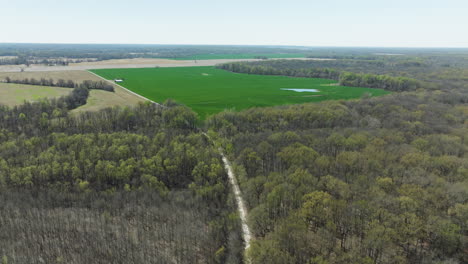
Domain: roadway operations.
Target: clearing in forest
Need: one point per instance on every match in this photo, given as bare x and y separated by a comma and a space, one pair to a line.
16, 94
208, 90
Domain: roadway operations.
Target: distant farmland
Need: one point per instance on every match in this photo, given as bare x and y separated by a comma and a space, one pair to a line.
243, 56
208, 90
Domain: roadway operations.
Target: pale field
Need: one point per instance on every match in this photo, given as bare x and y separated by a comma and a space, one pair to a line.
97, 100
135, 61
15, 94
127, 63
77, 76
8, 57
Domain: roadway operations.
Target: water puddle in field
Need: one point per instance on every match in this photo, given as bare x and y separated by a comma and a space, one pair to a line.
301, 90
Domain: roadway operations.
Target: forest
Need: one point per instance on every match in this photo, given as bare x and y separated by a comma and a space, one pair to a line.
371, 180
375, 180
124, 185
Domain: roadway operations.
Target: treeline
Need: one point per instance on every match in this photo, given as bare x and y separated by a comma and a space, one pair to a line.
433, 71
386, 82
51, 52
88, 84
14, 61
396, 84
41, 118
45, 61
378, 180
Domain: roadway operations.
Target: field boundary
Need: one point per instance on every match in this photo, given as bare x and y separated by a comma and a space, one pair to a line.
141, 96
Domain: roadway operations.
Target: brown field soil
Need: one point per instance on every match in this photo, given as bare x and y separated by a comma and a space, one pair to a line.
77, 76
15, 94
8, 57
135, 61
97, 100
125, 63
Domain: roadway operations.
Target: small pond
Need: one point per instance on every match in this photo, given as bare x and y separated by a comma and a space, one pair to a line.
301, 90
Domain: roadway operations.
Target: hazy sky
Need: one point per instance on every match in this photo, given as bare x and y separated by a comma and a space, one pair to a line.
402, 23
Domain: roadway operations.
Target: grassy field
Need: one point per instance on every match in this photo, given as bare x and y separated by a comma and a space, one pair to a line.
208, 90
243, 56
15, 94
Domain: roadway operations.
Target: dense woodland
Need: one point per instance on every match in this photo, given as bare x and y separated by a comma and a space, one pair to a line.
124, 185
376, 180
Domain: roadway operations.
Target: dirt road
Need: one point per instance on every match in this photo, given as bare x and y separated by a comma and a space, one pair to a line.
239, 200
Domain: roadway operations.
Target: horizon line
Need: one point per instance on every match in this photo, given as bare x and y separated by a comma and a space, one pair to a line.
245, 45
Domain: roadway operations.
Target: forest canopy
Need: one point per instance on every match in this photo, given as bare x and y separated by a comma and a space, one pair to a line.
371, 180
375, 180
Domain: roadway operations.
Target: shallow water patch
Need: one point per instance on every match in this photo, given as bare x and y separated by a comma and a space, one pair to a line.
301, 90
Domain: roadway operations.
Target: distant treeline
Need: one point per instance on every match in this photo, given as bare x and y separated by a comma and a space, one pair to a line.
46, 61
88, 84
344, 78
124, 51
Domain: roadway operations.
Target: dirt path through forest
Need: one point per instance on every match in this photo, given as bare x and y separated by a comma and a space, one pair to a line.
239, 200
246, 234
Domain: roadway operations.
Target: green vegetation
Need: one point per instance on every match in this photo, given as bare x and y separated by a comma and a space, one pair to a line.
16, 94
208, 90
375, 180
215, 56
140, 184
381, 180
397, 84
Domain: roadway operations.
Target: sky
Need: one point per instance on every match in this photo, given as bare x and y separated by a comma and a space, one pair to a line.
348, 23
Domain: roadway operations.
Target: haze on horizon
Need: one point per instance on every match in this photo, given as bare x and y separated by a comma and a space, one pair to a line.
363, 23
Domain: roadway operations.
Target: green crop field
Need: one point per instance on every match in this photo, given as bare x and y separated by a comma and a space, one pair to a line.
208, 90
242, 56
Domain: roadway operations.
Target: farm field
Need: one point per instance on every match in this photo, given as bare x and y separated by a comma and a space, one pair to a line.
208, 90
242, 56
16, 94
